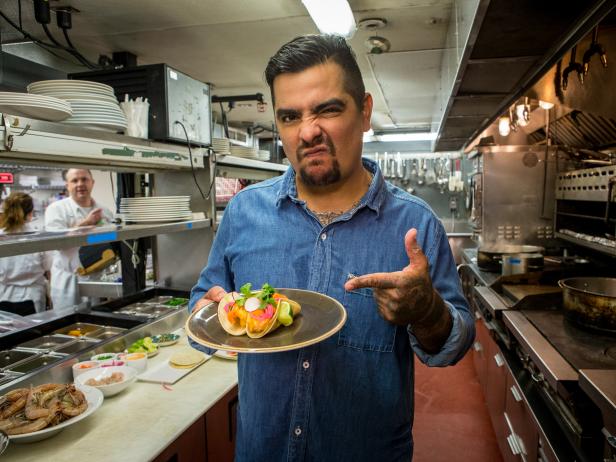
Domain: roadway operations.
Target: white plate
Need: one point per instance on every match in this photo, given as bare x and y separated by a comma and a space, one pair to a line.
152, 198
94, 398
28, 98
158, 220
69, 95
86, 84
33, 111
155, 216
105, 128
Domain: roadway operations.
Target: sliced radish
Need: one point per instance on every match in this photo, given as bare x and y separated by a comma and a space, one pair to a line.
252, 303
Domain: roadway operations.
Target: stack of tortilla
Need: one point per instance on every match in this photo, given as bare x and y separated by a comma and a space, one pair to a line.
186, 358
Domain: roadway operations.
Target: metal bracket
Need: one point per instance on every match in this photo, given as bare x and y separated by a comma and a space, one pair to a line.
9, 138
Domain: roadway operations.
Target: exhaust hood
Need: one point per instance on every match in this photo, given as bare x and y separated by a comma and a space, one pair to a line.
510, 47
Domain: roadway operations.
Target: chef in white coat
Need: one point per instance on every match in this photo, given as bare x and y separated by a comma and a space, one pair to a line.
22, 277
79, 209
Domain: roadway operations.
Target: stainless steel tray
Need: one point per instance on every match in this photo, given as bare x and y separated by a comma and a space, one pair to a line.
47, 342
36, 362
10, 357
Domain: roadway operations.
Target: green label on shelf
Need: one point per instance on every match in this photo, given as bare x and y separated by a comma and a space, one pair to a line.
128, 152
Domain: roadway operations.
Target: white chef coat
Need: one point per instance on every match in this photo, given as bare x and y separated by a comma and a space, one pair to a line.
61, 215
22, 278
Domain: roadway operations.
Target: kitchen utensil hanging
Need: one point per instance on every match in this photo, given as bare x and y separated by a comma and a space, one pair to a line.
572, 67
595, 48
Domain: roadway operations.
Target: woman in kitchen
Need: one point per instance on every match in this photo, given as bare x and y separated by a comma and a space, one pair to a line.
23, 285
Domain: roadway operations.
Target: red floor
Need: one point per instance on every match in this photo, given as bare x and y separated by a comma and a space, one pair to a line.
451, 418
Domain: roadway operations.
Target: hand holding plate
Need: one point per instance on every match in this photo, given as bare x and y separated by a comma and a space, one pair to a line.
214, 295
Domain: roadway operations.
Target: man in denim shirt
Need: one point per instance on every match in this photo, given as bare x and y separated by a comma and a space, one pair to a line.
332, 224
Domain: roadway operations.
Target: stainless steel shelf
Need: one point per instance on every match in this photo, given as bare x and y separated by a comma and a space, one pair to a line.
43, 241
250, 163
47, 143
591, 245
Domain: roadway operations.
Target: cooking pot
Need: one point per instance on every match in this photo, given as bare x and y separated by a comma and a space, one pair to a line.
590, 301
489, 257
521, 263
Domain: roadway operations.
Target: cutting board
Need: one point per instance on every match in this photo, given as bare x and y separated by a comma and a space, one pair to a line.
164, 373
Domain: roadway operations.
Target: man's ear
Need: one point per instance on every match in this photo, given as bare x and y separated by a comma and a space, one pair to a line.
367, 111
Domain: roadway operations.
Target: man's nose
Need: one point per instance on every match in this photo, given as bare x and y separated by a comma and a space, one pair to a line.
310, 130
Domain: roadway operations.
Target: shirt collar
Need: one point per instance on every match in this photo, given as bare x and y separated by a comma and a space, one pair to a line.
373, 199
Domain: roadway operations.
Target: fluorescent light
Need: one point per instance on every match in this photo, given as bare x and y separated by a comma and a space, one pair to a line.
332, 16
546, 105
417, 136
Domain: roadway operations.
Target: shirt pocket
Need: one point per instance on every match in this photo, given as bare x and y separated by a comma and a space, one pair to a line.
365, 329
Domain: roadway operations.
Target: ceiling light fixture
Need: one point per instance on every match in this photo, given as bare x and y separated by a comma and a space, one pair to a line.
332, 16
397, 137
503, 126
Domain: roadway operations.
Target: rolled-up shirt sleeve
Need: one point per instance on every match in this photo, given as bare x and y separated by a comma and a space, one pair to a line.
446, 281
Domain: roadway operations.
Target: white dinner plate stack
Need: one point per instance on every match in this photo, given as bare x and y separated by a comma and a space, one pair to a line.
221, 145
244, 151
94, 104
263, 154
155, 209
34, 106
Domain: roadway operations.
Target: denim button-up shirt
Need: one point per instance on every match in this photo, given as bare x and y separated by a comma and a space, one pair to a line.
350, 397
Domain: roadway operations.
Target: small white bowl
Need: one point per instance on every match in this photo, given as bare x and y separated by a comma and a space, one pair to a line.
138, 361
130, 375
105, 358
83, 367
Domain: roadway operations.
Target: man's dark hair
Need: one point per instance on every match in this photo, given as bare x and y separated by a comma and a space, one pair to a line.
310, 50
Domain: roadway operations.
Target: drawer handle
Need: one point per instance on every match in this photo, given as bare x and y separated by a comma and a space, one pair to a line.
516, 394
513, 445
499, 360
477, 346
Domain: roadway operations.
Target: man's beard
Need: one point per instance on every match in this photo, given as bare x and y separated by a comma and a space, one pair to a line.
327, 178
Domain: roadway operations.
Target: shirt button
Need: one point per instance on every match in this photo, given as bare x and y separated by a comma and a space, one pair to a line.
306, 364
323, 236
297, 431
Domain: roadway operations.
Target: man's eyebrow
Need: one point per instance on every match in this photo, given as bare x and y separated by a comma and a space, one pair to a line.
330, 102
284, 112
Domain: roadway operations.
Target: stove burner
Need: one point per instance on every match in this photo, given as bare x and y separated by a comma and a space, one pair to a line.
582, 348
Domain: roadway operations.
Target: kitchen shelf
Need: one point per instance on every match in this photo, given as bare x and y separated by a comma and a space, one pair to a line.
591, 245
250, 163
47, 143
49, 240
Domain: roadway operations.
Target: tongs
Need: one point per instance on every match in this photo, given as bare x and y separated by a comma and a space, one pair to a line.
594, 49
573, 66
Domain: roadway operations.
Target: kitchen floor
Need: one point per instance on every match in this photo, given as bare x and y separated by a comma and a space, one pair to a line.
451, 417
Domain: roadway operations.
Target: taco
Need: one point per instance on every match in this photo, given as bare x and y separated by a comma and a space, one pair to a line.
256, 313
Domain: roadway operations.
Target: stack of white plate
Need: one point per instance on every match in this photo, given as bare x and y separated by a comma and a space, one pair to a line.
34, 106
221, 145
155, 209
94, 104
244, 151
263, 154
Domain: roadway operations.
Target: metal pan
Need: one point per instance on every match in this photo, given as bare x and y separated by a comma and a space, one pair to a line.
591, 302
